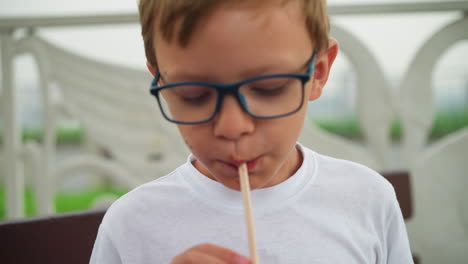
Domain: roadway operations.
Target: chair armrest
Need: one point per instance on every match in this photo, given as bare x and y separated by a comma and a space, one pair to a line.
66, 238
402, 185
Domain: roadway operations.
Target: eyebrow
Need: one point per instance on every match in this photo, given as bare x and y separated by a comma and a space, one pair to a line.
185, 77
263, 70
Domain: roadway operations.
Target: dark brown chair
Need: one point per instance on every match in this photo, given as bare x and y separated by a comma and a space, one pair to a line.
64, 239
402, 185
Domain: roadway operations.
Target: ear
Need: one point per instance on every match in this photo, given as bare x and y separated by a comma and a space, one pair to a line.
323, 65
150, 68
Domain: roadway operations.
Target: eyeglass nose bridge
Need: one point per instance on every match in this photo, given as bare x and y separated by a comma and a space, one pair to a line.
231, 89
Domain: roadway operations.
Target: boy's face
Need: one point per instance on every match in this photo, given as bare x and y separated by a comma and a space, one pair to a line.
230, 45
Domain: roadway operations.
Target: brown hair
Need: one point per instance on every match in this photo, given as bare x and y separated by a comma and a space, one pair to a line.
186, 14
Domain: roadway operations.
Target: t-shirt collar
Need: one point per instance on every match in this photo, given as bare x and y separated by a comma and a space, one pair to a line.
215, 194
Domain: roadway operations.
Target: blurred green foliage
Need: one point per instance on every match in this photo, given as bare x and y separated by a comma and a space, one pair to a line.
448, 122
64, 201
444, 123
65, 135
346, 127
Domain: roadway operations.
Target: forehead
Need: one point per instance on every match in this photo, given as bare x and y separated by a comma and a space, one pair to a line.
240, 39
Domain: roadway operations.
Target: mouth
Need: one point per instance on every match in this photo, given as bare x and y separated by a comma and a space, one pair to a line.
236, 163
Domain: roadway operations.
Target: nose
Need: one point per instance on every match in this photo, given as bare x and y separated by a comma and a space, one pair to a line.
232, 121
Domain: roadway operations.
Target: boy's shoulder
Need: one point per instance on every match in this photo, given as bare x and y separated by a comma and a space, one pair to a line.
149, 197
332, 165
348, 169
351, 178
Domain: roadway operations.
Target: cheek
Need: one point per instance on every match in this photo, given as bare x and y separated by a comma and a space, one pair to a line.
185, 133
194, 137
286, 129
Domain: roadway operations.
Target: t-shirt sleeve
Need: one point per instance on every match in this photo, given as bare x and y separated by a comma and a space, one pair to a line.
398, 248
104, 250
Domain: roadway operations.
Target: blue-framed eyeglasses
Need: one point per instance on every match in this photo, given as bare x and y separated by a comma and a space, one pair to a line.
265, 97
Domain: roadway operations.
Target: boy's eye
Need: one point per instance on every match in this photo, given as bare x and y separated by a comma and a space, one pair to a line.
194, 94
271, 91
269, 88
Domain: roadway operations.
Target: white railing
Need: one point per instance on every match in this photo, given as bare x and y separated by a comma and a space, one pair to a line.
9, 24
334, 10
377, 105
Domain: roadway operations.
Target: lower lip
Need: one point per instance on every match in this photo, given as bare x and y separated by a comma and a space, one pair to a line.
250, 165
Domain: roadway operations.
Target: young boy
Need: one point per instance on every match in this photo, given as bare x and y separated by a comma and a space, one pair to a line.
236, 76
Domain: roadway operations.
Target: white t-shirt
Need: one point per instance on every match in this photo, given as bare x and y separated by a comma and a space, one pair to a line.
329, 211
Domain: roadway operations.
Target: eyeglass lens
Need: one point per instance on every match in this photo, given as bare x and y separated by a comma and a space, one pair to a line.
266, 97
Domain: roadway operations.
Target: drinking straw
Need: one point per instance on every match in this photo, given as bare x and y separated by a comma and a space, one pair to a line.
245, 189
